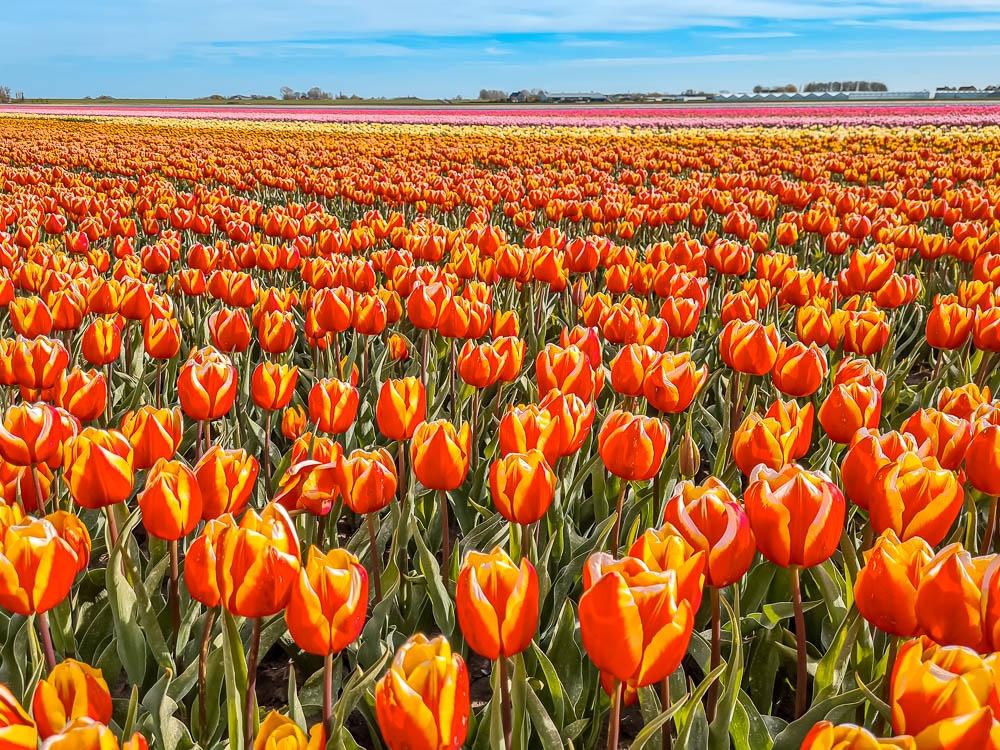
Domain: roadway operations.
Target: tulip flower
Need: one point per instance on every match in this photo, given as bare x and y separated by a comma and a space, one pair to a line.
309, 485
947, 436
225, 479
422, 703
206, 385
763, 441
665, 549
847, 409
278, 732
229, 330
870, 451
885, 592
84, 394
982, 460
333, 405
72, 531
914, 496
38, 363
749, 347
673, 382
29, 434
629, 367
962, 402
827, 736
162, 338
401, 406
944, 693
101, 343
367, 483
17, 730
293, 422
83, 734
799, 370
154, 434
526, 428
569, 370
71, 691
522, 486
634, 625
99, 468
272, 385
949, 604
572, 418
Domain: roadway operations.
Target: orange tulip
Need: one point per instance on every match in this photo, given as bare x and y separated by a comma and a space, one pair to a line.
278, 732
71, 691
633, 446
511, 351
162, 337
869, 451
634, 625
948, 325
225, 479
949, 604
629, 368
749, 347
399, 348
293, 422
83, 393
276, 332
711, 521
229, 330
569, 370
479, 364
799, 370
201, 560
72, 531
327, 606
861, 371
963, 401
154, 434
401, 406
797, 516
17, 730
257, 563
914, 496
422, 703
826, 736
528, 427
30, 317
272, 385
333, 405
367, 480
98, 468
522, 486
440, 454
171, 501
206, 385
309, 485
885, 592
37, 567
102, 342
944, 696
38, 363
673, 382
83, 734
497, 603
848, 408
572, 419
982, 460
946, 436
665, 549
30, 434
763, 441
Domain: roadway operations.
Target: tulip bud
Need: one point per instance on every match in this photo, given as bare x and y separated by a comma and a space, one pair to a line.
689, 460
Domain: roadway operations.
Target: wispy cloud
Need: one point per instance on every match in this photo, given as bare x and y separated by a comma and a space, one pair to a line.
752, 34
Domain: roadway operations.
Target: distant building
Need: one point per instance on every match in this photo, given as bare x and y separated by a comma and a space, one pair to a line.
591, 97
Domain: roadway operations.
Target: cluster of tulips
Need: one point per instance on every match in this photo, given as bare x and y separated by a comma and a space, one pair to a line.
427, 437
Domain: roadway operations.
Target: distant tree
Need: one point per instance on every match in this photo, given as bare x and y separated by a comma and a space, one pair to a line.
4, 94
492, 95
288, 93
791, 88
317, 93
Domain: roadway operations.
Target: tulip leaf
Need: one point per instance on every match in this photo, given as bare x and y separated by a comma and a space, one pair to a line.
791, 736
554, 685
721, 725
691, 713
747, 729
833, 667
131, 713
171, 731
441, 602
295, 711
12, 654
129, 638
235, 669
567, 656
654, 725
545, 729
871, 695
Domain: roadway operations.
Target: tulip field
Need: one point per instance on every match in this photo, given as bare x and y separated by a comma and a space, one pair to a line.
513, 434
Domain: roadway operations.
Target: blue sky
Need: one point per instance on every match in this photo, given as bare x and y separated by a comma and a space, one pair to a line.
440, 48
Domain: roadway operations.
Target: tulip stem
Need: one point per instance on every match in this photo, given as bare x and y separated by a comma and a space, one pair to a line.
376, 556
615, 718
445, 538
666, 733
266, 458
619, 508
109, 511
713, 690
328, 695
40, 499
206, 642
174, 594
251, 698
43, 628
505, 712
801, 676
991, 525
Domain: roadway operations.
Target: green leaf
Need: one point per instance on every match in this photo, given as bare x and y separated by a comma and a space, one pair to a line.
441, 602
171, 731
545, 729
692, 713
718, 735
833, 667
235, 666
652, 728
791, 736
747, 729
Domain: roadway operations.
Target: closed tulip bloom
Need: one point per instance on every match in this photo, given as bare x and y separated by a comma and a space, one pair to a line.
711, 521
634, 625
479, 364
327, 605
799, 370
749, 347
17, 730
74, 532
982, 460
200, 562
522, 486
859, 370
569, 370
276, 332
948, 325
272, 385
440, 454
666, 549
633, 446
870, 451
83, 393
367, 480
401, 406
763, 441
848, 408
497, 603
986, 329
963, 401
207, 385
37, 567
101, 343
947, 436
162, 337
791, 415
511, 351
30, 434
813, 325
38, 363
98, 468
225, 479
293, 422
797, 516
278, 732
257, 563
309, 485
399, 348
83, 734
30, 317
422, 703
629, 367
587, 339
914, 496
229, 330
827, 736
949, 605
171, 502
425, 304
572, 419
72, 690
944, 695
321, 448
885, 592
154, 434
673, 382
333, 405
527, 427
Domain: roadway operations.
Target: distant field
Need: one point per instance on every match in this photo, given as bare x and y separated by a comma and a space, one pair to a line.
648, 115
